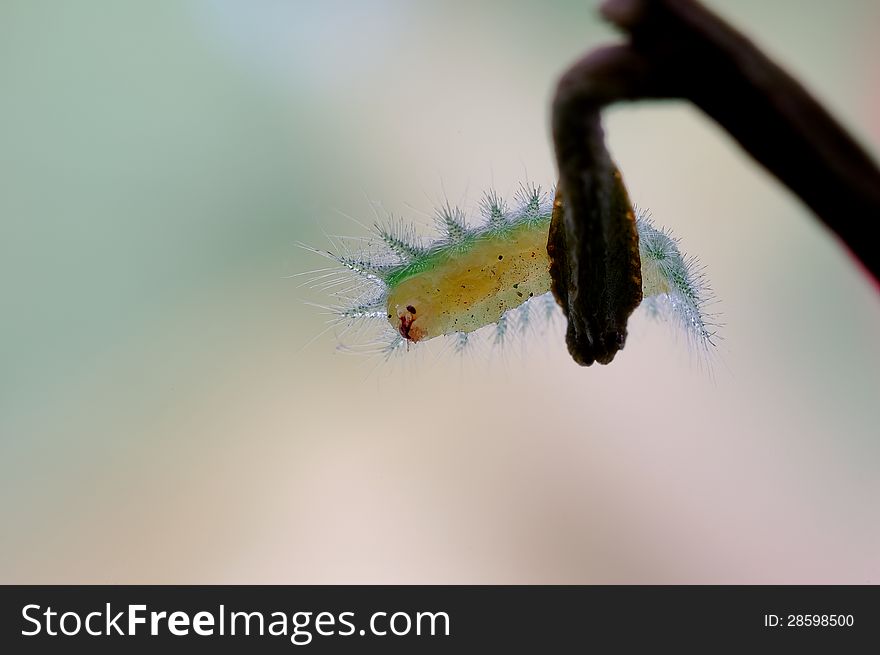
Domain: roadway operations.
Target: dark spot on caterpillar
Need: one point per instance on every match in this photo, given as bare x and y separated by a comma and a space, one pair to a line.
407, 330
516, 286
519, 293
463, 286
411, 309
389, 315
531, 294
500, 257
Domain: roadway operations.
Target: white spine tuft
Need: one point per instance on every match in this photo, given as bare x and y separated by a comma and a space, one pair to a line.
673, 283
451, 221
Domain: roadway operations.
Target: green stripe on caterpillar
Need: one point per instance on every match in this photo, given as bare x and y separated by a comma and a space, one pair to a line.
472, 277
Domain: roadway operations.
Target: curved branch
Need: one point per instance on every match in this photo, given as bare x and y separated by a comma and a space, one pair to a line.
679, 49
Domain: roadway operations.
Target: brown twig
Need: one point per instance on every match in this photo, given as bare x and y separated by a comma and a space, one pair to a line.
679, 49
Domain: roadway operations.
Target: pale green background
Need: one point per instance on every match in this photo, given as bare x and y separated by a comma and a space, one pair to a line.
160, 420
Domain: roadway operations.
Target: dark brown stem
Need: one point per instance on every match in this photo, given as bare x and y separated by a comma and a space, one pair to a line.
593, 243
679, 49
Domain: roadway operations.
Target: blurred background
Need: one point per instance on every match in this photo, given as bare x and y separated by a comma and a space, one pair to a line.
163, 418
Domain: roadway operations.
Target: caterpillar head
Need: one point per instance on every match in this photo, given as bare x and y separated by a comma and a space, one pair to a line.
404, 319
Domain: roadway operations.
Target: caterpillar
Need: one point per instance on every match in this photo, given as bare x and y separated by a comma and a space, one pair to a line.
473, 277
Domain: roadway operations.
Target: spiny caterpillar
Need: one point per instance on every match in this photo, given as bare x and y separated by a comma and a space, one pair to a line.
473, 277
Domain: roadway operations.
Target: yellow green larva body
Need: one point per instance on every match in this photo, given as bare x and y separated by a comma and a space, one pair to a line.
474, 277
474, 286
653, 280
